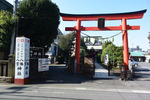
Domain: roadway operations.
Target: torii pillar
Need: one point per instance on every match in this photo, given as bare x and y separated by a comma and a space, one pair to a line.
77, 51
94, 17
125, 43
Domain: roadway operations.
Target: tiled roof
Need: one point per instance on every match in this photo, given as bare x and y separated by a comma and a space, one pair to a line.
6, 3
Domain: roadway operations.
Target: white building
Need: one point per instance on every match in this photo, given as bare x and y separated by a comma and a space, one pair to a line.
147, 56
53, 50
93, 42
135, 49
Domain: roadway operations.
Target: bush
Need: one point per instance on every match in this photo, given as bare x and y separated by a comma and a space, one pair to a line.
114, 53
61, 59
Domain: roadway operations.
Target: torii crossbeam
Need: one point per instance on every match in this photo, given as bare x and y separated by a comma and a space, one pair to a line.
94, 17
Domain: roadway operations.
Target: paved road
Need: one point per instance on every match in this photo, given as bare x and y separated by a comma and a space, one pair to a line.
44, 92
64, 86
143, 71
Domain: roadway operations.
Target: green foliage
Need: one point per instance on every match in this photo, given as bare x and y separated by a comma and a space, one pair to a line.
119, 55
38, 20
82, 44
84, 50
115, 54
98, 57
60, 59
65, 41
6, 29
110, 49
106, 44
65, 44
83, 53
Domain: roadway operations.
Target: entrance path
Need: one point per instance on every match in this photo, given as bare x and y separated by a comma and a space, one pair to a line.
101, 72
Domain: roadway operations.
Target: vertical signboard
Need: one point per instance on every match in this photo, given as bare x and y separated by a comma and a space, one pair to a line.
22, 60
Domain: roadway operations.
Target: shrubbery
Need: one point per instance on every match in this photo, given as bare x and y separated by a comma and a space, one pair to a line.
115, 54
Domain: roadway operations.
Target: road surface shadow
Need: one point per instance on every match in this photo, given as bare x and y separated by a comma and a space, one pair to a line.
60, 75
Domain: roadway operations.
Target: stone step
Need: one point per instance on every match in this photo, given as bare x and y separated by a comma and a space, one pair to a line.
4, 79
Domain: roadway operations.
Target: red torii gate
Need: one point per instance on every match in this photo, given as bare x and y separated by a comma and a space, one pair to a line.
94, 17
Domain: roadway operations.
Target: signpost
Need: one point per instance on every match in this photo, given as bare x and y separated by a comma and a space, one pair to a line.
101, 22
43, 64
22, 60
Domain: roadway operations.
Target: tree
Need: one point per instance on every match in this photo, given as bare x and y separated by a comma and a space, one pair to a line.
38, 20
119, 55
106, 44
83, 48
110, 49
6, 30
65, 43
115, 54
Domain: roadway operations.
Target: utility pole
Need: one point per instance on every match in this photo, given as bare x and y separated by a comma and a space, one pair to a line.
149, 39
12, 46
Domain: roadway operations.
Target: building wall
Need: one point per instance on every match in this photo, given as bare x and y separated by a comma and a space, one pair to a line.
139, 58
147, 58
138, 49
93, 43
4, 5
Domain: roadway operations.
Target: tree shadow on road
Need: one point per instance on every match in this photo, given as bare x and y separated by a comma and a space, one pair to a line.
59, 75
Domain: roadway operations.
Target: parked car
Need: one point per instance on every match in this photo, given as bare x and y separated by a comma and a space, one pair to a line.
134, 62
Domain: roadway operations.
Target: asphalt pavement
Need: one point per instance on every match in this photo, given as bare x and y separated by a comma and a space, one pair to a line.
142, 71
62, 85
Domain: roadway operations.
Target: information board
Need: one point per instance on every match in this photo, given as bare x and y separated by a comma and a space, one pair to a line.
43, 64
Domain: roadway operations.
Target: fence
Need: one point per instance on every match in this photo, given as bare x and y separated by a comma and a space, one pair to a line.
7, 69
35, 54
3, 67
88, 68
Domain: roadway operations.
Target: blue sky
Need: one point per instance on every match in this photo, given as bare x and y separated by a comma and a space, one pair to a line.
135, 37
